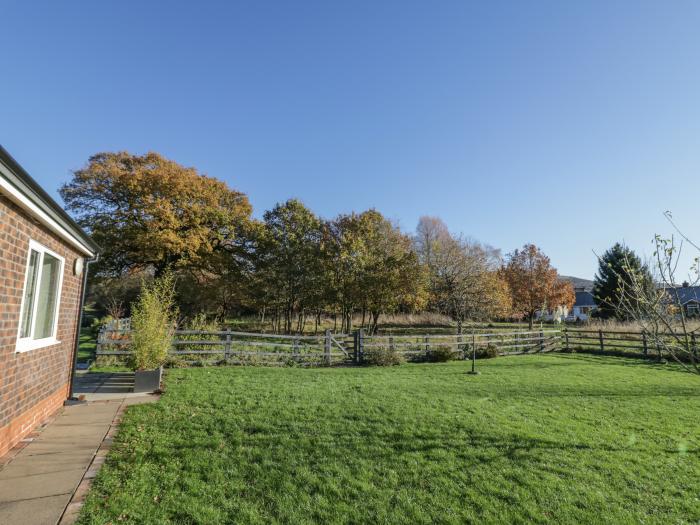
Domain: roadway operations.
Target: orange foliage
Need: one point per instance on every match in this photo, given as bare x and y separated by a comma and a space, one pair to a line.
534, 284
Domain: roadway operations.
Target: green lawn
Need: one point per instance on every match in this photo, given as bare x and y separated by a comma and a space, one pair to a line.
549, 438
86, 346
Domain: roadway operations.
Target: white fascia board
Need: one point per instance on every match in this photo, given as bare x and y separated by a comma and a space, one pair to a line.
21, 200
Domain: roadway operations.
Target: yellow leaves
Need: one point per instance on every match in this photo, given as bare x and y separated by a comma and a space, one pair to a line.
152, 211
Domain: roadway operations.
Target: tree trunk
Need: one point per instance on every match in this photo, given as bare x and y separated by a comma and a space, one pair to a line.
375, 322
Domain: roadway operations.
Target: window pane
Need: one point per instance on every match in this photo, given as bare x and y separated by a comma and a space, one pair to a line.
29, 293
46, 300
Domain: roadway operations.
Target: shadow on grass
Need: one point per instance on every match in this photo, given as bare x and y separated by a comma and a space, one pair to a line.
651, 362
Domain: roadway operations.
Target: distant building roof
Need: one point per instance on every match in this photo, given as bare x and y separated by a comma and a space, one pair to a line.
685, 293
584, 298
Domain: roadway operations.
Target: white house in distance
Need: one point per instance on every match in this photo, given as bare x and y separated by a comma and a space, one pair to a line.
583, 307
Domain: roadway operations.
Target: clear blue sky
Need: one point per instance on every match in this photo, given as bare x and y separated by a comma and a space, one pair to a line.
568, 124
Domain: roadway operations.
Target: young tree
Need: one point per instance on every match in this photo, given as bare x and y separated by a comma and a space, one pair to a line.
462, 276
534, 284
146, 211
371, 268
153, 317
288, 259
616, 269
346, 257
659, 308
393, 276
431, 236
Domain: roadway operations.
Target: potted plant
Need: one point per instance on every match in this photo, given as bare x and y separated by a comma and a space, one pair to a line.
152, 323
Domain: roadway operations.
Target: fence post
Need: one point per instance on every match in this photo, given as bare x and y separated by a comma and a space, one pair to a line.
644, 342
295, 350
356, 347
566, 338
600, 337
327, 347
100, 341
227, 345
391, 343
427, 345
541, 340
361, 346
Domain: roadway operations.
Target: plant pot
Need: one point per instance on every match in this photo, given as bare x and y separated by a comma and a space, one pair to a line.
147, 380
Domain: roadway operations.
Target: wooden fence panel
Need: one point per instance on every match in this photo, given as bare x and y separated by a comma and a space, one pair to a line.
331, 349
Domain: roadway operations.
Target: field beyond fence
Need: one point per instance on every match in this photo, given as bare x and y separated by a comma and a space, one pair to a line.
329, 349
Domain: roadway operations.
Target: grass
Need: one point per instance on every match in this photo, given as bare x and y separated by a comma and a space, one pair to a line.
87, 345
548, 438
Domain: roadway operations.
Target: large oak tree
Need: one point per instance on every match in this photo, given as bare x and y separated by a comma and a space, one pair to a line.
149, 212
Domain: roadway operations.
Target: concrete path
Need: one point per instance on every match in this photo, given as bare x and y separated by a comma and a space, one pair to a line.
37, 484
104, 386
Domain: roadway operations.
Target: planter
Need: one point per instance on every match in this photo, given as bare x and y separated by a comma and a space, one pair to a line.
147, 380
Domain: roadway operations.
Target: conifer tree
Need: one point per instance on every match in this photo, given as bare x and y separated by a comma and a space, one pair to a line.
615, 270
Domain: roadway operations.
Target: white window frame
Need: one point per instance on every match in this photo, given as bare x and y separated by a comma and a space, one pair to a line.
25, 344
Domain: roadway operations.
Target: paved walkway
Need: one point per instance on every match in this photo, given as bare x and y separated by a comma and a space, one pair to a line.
40, 481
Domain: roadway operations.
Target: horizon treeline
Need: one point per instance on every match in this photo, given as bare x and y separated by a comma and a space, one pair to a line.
151, 215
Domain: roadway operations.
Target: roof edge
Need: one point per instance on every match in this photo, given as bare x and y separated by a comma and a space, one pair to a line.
26, 192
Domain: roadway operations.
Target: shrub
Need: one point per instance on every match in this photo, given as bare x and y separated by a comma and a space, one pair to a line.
442, 354
487, 352
153, 322
383, 356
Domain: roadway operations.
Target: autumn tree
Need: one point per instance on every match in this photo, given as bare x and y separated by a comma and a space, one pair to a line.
288, 260
534, 284
392, 277
372, 268
147, 211
462, 274
345, 254
431, 236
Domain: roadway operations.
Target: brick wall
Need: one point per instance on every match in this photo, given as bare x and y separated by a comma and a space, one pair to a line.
33, 384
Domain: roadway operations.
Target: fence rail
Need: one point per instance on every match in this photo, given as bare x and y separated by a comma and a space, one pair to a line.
191, 346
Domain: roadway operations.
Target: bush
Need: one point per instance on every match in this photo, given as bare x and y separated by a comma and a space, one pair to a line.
487, 352
442, 354
152, 323
383, 356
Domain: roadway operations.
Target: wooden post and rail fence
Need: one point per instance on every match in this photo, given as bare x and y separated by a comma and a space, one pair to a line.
327, 349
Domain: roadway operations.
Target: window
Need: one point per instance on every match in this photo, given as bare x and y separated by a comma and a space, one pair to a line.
693, 309
40, 300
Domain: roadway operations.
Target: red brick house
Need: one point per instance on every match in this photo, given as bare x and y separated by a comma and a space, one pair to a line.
42, 278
